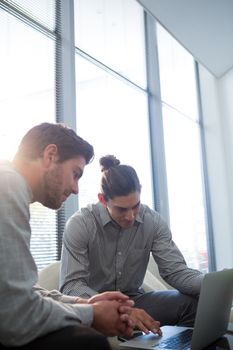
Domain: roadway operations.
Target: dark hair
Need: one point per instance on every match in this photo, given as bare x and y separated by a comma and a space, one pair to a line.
68, 143
117, 179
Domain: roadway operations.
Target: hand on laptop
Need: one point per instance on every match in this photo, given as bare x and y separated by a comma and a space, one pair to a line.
145, 322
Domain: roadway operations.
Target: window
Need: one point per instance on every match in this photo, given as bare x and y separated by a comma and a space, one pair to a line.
111, 99
113, 33
182, 150
27, 98
110, 108
113, 115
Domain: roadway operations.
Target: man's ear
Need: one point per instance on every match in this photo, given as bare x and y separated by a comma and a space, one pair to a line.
50, 154
101, 199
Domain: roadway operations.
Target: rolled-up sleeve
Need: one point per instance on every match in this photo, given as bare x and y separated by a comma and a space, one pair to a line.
171, 263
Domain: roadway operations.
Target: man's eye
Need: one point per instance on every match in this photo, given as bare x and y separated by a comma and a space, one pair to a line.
76, 175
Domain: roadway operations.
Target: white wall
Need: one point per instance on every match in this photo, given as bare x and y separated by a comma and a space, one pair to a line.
217, 114
225, 86
226, 117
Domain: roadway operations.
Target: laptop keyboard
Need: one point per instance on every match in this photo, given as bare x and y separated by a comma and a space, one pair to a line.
179, 341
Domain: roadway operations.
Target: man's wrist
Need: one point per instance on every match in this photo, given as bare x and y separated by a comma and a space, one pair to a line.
79, 300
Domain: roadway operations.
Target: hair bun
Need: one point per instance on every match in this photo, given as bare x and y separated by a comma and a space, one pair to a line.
108, 161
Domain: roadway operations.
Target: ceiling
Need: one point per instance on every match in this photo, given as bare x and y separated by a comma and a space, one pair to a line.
203, 27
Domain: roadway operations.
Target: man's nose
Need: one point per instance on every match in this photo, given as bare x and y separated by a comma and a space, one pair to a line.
75, 188
130, 215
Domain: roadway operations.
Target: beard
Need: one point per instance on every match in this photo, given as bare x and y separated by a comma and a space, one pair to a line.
52, 186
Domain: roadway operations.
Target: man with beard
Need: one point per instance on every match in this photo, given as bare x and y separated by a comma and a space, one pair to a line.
46, 168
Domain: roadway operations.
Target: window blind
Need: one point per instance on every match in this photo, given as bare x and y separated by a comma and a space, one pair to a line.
28, 97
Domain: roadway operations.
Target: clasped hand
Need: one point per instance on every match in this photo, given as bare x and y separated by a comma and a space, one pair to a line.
114, 314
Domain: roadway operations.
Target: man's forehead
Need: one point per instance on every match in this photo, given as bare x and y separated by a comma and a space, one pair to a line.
126, 202
79, 162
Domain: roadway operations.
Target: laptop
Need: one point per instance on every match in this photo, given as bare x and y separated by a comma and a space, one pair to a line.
210, 324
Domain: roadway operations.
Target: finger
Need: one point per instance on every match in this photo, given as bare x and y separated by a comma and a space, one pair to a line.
122, 309
157, 331
152, 325
110, 296
160, 332
148, 322
116, 296
127, 320
125, 329
140, 325
128, 302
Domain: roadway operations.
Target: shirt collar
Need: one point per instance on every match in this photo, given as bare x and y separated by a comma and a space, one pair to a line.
106, 218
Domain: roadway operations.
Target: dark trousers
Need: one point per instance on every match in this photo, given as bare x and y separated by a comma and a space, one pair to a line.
70, 338
170, 307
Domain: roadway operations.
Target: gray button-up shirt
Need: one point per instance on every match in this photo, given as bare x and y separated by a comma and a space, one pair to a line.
26, 310
98, 255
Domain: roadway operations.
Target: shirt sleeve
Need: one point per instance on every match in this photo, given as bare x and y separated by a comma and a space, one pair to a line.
171, 263
25, 312
56, 295
74, 273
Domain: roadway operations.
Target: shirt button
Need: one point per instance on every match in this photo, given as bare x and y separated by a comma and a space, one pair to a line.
119, 273
119, 253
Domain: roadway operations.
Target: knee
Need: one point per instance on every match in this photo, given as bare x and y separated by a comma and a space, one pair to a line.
190, 301
188, 309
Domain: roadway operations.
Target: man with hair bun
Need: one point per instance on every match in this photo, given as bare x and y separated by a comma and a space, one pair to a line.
107, 247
